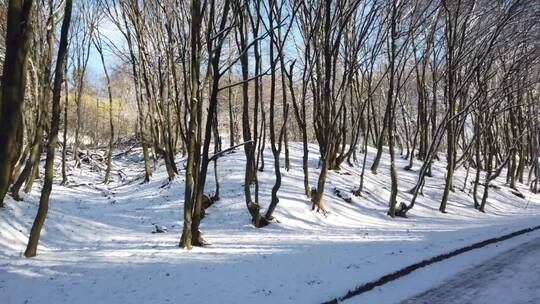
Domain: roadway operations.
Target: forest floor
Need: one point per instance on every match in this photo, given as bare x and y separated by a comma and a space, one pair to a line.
97, 245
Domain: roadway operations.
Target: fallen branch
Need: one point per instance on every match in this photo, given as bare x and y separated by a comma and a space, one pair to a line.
220, 153
125, 152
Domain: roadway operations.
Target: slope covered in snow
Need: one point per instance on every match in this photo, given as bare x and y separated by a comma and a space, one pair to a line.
97, 245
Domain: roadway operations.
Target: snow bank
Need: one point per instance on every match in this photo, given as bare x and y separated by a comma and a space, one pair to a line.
98, 247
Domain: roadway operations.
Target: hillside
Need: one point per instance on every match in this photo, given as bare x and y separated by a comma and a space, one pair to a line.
97, 244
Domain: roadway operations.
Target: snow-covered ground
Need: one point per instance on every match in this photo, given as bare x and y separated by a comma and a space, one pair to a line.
98, 247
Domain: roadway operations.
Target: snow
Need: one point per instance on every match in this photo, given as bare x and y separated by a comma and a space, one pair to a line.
98, 246
509, 277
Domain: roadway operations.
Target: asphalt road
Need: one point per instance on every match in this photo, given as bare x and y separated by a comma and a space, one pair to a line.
512, 277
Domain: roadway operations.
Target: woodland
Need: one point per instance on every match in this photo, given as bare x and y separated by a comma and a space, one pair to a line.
425, 82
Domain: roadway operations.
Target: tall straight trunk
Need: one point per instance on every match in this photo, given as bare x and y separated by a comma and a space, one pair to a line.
300, 115
257, 96
34, 173
217, 149
28, 174
250, 148
99, 47
380, 141
317, 196
327, 148
31, 170
231, 118
230, 104
78, 106
82, 63
369, 104
139, 96
35, 232
262, 139
111, 138
433, 110
192, 144
391, 110
513, 165
426, 166
212, 114
489, 166
362, 173
449, 171
285, 106
13, 86
275, 143
64, 135
450, 95
477, 161
21, 160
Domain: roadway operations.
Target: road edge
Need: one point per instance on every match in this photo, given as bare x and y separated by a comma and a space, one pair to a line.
441, 257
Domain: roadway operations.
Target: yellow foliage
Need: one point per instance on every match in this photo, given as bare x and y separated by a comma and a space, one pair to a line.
94, 113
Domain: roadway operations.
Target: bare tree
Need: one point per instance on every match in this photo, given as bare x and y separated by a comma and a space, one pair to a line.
13, 86
35, 232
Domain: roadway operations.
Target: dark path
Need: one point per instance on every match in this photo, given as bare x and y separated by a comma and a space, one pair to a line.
511, 277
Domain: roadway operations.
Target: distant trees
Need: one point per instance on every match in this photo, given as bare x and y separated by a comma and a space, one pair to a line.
408, 74
98, 44
474, 86
81, 41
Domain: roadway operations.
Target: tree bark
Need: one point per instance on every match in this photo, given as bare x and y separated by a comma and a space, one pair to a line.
13, 86
35, 232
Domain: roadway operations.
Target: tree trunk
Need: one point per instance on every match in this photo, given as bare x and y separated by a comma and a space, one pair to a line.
193, 146
53, 136
98, 45
64, 135
13, 86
